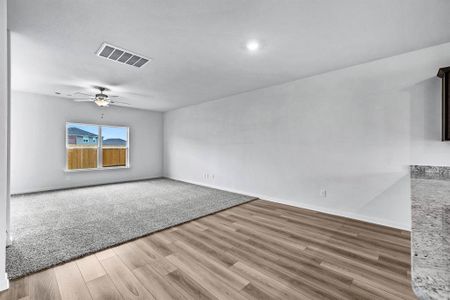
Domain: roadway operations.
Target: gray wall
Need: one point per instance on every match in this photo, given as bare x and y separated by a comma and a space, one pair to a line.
3, 140
38, 142
352, 132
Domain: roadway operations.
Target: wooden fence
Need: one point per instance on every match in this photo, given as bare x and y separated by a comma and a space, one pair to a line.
86, 158
81, 158
114, 157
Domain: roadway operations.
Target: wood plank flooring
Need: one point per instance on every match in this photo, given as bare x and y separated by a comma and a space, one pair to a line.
258, 250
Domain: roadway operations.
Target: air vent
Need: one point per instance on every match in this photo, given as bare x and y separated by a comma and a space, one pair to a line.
122, 56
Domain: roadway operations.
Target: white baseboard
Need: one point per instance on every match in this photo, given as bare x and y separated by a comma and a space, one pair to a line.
4, 283
351, 215
346, 214
74, 186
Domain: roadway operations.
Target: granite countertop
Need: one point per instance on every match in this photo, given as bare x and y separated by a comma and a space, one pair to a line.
430, 196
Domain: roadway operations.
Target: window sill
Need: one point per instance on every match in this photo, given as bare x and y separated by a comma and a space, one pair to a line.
94, 169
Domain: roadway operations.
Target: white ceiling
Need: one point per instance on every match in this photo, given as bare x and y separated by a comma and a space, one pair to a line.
198, 45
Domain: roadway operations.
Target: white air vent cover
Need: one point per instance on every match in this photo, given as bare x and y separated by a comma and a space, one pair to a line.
120, 55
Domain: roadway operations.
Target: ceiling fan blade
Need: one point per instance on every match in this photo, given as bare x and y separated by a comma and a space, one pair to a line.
113, 96
84, 94
83, 100
119, 102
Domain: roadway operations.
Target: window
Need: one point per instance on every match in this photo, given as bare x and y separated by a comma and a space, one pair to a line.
84, 149
114, 146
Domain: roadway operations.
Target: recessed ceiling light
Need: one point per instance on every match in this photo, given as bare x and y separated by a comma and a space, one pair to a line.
252, 45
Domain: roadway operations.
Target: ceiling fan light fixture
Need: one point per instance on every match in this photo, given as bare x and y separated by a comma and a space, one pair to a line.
100, 99
102, 102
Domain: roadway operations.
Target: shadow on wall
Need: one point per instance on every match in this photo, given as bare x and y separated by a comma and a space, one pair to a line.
393, 189
425, 110
425, 124
425, 148
396, 196
380, 197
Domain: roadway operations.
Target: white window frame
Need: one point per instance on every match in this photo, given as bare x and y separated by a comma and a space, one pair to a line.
99, 148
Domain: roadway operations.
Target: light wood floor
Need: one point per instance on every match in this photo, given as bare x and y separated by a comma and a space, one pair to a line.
258, 250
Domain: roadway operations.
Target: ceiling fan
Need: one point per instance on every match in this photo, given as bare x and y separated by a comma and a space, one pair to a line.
101, 99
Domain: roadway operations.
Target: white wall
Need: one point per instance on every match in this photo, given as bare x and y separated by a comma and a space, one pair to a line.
38, 142
353, 132
3, 141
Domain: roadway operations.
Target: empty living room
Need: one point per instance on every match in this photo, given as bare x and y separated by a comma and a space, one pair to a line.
210, 149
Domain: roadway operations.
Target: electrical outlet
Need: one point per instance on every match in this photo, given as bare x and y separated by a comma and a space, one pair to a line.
323, 193
208, 176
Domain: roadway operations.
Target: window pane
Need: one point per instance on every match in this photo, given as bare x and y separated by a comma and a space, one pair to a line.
82, 143
114, 146
81, 158
79, 135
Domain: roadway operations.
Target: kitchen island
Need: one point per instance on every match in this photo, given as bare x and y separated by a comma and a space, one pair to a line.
430, 196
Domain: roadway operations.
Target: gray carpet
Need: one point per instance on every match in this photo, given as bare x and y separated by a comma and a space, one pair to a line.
53, 227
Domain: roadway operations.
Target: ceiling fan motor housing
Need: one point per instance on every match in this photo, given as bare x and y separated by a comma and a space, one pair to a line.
101, 96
